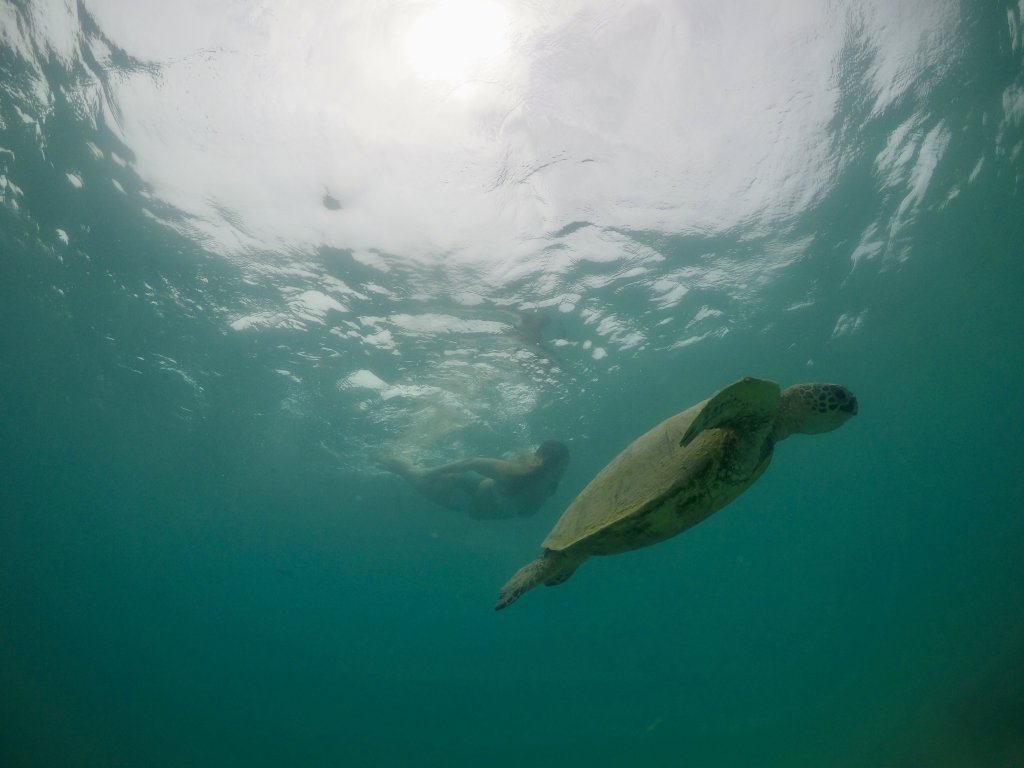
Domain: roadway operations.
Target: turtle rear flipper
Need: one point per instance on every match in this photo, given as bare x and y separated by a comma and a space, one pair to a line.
750, 405
550, 569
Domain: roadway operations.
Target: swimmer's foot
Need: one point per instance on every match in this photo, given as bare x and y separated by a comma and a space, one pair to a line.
395, 464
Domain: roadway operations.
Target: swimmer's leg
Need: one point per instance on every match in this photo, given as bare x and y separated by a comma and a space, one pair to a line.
401, 467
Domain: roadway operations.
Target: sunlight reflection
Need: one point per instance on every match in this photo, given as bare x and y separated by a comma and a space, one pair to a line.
454, 41
482, 133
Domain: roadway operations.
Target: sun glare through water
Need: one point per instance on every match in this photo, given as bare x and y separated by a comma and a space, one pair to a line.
451, 43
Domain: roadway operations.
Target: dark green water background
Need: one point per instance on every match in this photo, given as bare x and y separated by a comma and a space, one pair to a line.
187, 576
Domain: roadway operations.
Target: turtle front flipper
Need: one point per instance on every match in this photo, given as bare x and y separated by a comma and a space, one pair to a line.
750, 405
551, 569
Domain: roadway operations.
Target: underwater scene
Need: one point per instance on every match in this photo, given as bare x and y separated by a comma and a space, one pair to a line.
327, 327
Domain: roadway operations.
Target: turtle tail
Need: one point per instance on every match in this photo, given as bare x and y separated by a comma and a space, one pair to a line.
551, 568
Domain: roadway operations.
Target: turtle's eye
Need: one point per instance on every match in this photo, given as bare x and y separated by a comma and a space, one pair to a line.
842, 399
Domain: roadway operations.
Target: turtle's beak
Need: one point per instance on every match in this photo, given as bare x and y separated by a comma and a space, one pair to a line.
850, 406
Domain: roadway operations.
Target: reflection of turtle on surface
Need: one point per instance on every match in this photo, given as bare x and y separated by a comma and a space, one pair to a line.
678, 473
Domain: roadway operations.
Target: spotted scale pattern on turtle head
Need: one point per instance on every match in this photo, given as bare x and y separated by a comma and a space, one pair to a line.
814, 408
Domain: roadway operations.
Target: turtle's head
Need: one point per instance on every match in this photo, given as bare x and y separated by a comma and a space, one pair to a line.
813, 408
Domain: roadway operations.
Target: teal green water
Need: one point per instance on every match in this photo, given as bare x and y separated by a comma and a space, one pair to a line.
221, 294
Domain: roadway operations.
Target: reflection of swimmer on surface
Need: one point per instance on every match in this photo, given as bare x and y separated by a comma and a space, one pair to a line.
489, 488
529, 329
530, 326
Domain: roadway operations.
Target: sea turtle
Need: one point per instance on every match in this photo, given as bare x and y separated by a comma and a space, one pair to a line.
689, 466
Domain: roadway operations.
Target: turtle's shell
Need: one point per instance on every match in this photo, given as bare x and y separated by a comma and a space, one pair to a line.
655, 478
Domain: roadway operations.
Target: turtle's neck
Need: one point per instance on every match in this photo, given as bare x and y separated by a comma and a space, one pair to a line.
786, 421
